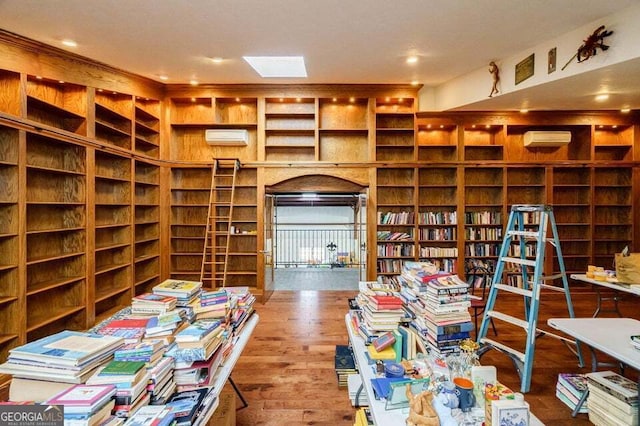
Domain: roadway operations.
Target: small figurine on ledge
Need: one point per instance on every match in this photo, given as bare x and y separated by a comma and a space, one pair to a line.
421, 411
495, 71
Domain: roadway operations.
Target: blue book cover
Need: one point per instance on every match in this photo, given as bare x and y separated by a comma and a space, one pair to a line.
67, 348
184, 405
198, 330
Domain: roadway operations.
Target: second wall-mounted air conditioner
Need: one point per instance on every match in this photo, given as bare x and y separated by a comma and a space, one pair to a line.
546, 138
227, 137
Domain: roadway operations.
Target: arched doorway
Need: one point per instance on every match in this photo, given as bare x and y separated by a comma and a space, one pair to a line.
316, 233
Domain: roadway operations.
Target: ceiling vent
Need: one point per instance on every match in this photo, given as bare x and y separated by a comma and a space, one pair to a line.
227, 137
546, 138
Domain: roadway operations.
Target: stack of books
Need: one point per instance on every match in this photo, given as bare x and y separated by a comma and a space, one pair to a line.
130, 379
380, 313
212, 304
440, 305
570, 388
84, 404
198, 341
164, 326
344, 364
152, 415
241, 302
67, 357
193, 406
197, 374
613, 399
160, 369
150, 303
185, 292
131, 329
161, 381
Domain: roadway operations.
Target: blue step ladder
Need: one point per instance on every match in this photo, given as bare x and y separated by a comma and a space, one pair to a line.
526, 237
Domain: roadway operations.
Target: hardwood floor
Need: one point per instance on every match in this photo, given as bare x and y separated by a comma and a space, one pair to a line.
286, 372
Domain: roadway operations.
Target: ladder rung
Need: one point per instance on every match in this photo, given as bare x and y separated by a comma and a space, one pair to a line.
519, 261
530, 208
552, 277
512, 289
552, 287
503, 348
528, 234
221, 203
508, 318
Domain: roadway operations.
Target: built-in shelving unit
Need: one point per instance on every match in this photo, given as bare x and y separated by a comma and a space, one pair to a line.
438, 216
10, 292
243, 243
57, 104
10, 88
190, 189
113, 233
56, 252
113, 118
147, 127
290, 129
146, 226
343, 129
395, 122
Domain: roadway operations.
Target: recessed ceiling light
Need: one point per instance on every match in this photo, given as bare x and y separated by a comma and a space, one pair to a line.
277, 66
237, 99
603, 97
524, 110
38, 77
194, 82
625, 110
615, 126
335, 99
163, 77
415, 82
352, 99
412, 59
61, 81
217, 60
69, 43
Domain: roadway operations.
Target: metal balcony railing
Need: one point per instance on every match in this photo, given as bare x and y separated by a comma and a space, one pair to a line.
316, 248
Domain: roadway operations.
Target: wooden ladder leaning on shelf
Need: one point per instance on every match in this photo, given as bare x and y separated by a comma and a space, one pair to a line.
219, 223
525, 238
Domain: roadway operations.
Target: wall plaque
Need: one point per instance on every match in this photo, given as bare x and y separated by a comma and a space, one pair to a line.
525, 68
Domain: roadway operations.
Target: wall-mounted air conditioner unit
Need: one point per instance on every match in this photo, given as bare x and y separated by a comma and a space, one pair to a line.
226, 137
546, 138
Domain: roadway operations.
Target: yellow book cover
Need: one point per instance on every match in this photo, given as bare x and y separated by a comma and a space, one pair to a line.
387, 353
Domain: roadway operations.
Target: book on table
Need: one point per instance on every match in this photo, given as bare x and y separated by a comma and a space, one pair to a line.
178, 288
151, 415
185, 405
83, 398
198, 330
67, 348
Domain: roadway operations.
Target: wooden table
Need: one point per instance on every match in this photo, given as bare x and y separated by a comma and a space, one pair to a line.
617, 288
608, 335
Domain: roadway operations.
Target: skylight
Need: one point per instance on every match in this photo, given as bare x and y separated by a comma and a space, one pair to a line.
278, 66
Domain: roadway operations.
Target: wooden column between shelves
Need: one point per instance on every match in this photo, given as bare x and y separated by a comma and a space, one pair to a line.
22, 238
165, 222
90, 257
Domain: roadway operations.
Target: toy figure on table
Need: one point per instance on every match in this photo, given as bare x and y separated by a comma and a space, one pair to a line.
421, 410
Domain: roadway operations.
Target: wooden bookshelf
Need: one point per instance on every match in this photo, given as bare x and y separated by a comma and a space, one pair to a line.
10, 88
395, 120
147, 226
243, 244
113, 118
56, 256
343, 129
190, 189
147, 127
10, 291
290, 129
57, 104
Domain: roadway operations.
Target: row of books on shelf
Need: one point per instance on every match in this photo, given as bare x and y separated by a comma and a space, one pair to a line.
395, 250
438, 218
394, 236
479, 249
164, 351
438, 252
438, 234
483, 218
395, 218
483, 234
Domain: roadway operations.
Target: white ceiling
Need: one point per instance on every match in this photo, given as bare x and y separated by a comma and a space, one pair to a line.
343, 41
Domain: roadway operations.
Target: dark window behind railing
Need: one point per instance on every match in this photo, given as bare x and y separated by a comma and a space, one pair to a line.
317, 248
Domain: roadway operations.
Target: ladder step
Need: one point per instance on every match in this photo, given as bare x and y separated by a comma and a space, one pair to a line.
518, 261
527, 234
503, 348
512, 289
552, 288
508, 318
552, 277
530, 208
